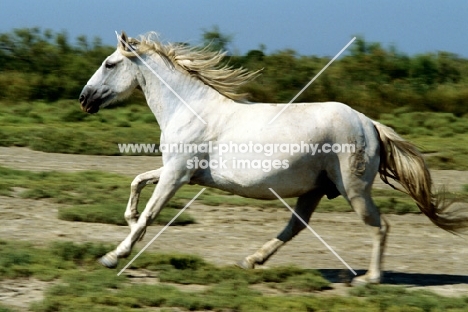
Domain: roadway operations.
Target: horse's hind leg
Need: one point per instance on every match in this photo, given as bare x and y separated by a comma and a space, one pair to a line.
140, 181
305, 206
378, 227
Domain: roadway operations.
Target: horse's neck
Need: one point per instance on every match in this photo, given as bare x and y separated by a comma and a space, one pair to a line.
180, 98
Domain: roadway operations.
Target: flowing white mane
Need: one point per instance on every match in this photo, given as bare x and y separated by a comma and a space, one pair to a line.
201, 63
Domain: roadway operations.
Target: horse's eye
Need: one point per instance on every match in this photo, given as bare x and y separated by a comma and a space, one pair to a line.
110, 65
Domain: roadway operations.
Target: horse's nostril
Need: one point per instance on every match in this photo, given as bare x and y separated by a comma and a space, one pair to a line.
82, 98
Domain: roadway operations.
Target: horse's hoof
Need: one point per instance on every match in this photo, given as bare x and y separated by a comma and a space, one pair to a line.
244, 264
109, 260
364, 280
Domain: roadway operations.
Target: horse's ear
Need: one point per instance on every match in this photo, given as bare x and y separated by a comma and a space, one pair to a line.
123, 36
122, 40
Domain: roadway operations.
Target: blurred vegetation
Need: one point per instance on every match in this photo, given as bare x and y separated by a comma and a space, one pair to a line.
423, 97
369, 78
36, 64
79, 283
44, 65
61, 127
87, 196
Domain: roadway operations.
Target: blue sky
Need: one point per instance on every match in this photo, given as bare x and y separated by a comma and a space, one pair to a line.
309, 27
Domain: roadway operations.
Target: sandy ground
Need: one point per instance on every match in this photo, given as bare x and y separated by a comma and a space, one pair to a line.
418, 254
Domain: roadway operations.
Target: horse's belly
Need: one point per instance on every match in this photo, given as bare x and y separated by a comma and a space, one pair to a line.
256, 182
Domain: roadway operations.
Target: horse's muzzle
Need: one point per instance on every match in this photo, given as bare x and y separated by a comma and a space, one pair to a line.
92, 97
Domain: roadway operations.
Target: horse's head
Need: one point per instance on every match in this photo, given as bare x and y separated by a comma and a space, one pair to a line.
113, 81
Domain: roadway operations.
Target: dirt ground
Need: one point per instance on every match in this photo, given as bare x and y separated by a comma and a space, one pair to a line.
418, 254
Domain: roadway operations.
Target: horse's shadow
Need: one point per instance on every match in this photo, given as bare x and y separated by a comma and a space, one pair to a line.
398, 278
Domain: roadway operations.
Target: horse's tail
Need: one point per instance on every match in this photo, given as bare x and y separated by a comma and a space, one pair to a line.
402, 162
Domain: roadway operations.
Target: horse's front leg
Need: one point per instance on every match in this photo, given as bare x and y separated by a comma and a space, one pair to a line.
169, 182
140, 181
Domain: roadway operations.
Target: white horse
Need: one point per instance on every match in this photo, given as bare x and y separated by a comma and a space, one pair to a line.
195, 101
